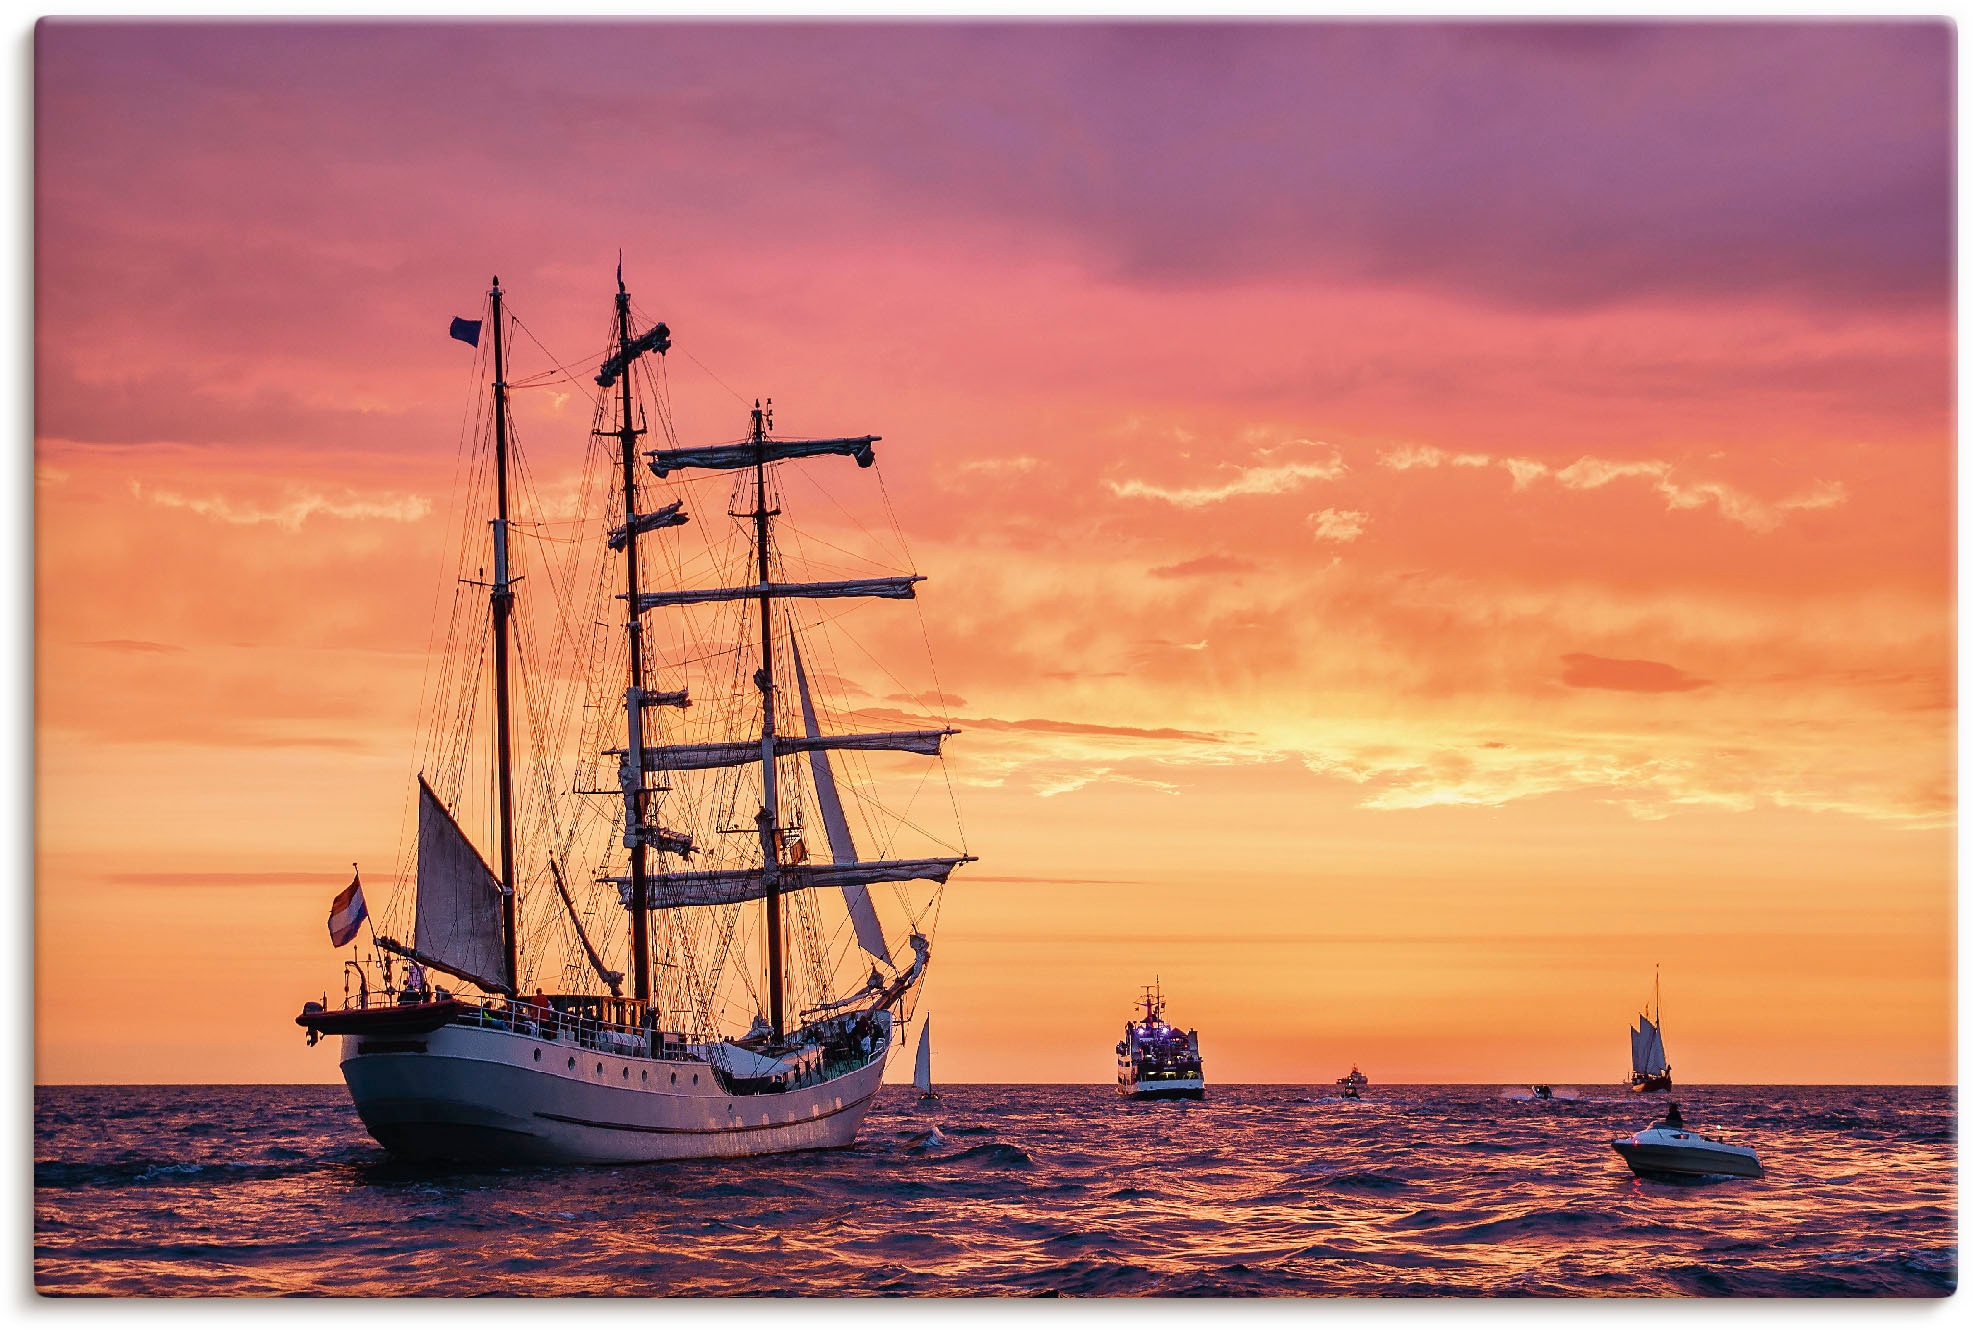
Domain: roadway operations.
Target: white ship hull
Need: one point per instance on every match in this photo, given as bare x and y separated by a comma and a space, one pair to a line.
1184, 1087
482, 1094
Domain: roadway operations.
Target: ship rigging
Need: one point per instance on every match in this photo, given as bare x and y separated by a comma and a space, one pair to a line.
695, 862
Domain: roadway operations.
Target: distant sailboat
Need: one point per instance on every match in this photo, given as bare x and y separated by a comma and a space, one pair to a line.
921, 1076
1649, 1071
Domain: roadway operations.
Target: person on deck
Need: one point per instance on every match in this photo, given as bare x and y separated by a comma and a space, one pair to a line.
1673, 1118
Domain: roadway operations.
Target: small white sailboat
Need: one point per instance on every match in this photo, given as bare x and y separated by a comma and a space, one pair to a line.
921, 1074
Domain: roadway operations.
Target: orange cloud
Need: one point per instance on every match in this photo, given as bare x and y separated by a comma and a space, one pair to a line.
1581, 670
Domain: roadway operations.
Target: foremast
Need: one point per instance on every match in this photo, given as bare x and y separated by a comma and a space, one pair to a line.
638, 835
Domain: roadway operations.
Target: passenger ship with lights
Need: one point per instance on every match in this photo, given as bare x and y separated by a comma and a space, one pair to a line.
1156, 1060
708, 700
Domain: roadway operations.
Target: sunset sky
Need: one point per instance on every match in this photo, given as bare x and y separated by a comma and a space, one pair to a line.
1423, 522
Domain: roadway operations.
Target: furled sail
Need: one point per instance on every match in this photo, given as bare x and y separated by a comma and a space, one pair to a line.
889, 588
729, 886
459, 899
869, 931
658, 339
672, 514
740, 753
732, 456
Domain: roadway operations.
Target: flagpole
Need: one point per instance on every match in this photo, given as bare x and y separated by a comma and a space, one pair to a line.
356, 876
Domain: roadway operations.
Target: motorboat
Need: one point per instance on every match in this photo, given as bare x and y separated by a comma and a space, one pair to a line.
1669, 1148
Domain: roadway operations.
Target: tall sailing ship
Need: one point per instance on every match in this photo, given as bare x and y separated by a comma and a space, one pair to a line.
1649, 1071
750, 1025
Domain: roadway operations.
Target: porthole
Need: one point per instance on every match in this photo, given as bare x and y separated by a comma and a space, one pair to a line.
571, 1064
695, 1078
643, 1075
674, 1078
537, 1055
626, 1073
599, 1069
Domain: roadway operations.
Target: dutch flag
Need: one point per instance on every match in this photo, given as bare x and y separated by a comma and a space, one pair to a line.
347, 914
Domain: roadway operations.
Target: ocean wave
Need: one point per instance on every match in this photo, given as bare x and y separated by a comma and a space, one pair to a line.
71, 1174
1362, 1180
998, 1154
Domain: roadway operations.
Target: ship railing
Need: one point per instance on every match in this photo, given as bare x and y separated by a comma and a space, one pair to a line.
577, 1030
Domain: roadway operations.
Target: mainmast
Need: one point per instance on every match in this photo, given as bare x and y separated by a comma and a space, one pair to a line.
503, 609
671, 890
769, 820
640, 935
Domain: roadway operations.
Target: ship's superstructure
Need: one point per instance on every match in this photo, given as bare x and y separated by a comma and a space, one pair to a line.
1156, 1060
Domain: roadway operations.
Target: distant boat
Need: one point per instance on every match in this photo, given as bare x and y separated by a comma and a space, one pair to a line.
1543, 1092
1156, 1060
921, 1075
1649, 1071
1355, 1078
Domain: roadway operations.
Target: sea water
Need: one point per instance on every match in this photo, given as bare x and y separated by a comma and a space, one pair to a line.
1053, 1190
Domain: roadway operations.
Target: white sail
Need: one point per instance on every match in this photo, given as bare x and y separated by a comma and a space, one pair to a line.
1654, 1048
869, 931
922, 1076
732, 456
887, 588
459, 900
1636, 1051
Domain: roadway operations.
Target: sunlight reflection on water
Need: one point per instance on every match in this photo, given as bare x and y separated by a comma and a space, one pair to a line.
1259, 1191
